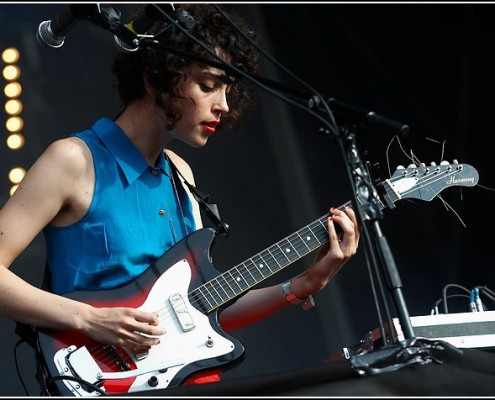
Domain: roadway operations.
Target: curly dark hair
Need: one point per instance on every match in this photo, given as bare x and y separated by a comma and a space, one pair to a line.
164, 68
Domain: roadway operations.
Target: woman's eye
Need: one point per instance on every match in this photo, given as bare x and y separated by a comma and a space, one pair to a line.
206, 88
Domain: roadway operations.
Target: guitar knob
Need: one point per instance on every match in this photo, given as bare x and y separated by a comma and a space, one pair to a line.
433, 163
444, 163
454, 161
400, 167
153, 381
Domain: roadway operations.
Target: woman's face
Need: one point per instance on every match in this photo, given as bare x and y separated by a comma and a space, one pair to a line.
205, 99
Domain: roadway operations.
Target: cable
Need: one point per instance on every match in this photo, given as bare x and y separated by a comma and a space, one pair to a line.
79, 380
434, 308
281, 66
17, 366
227, 66
444, 294
487, 292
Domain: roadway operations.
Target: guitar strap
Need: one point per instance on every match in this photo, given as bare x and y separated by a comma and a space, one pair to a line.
210, 210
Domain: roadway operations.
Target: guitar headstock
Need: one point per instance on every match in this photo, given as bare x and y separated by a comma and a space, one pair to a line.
424, 182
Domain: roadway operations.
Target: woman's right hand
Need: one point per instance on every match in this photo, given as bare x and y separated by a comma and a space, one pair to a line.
131, 328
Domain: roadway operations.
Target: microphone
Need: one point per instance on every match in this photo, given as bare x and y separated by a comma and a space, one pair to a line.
127, 37
51, 33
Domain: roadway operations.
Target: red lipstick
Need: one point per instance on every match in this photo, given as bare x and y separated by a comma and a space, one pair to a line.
210, 126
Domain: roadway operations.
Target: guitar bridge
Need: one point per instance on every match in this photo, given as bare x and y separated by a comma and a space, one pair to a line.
78, 363
183, 315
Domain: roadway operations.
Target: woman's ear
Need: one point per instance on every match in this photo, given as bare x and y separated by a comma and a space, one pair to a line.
147, 85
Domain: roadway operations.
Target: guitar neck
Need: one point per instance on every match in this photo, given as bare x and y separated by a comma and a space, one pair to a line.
268, 262
415, 182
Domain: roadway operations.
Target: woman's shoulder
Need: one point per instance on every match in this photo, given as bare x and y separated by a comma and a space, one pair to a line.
69, 153
181, 165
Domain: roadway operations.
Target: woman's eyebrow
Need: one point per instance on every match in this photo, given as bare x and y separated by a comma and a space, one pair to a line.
221, 77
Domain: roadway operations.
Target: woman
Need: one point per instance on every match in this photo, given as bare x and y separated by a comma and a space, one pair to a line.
109, 204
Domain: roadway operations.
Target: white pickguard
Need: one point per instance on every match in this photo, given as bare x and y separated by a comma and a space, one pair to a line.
176, 349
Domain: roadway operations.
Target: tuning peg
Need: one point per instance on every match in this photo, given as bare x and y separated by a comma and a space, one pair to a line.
454, 161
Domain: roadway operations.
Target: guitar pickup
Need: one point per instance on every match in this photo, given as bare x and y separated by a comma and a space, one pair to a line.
180, 309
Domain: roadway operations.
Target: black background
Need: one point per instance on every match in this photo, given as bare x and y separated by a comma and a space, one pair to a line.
426, 65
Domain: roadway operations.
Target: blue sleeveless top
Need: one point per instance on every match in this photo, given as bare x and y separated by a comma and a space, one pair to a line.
133, 218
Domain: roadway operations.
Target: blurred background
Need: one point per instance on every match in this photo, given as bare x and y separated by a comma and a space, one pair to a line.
425, 65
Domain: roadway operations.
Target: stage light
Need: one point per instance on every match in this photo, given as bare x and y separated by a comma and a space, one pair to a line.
10, 55
13, 89
13, 106
13, 189
17, 174
15, 141
14, 124
11, 72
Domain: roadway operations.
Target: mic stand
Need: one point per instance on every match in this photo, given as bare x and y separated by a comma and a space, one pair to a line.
369, 209
366, 203
412, 350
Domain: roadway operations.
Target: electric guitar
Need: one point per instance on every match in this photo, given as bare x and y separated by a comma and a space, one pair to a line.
188, 291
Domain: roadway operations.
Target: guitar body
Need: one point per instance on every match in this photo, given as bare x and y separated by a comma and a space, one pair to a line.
193, 342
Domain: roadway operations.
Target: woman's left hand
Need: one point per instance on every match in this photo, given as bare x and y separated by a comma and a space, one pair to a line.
343, 235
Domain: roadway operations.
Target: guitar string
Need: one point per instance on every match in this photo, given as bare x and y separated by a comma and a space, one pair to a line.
166, 312
244, 270
424, 180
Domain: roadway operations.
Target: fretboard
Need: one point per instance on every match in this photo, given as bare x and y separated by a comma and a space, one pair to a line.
266, 263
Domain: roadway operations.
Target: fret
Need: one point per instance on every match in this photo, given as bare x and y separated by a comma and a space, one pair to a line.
246, 275
239, 279
263, 263
219, 288
274, 258
262, 267
282, 259
321, 232
250, 274
270, 260
257, 271
303, 241
310, 238
205, 297
293, 241
288, 251
280, 251
196, 298
229, 291
215, 295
